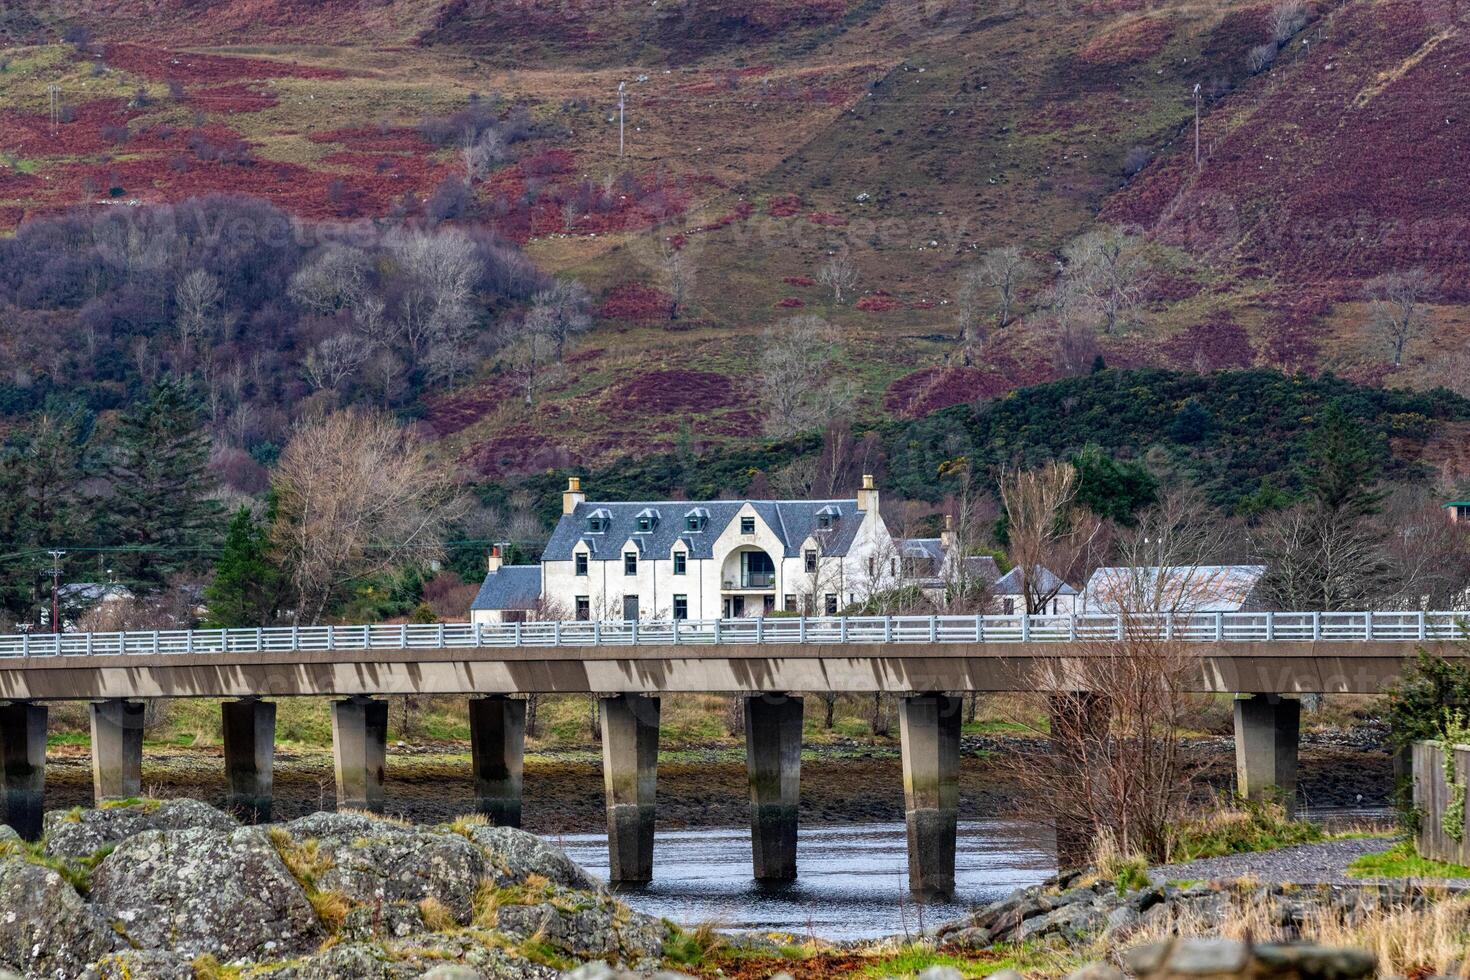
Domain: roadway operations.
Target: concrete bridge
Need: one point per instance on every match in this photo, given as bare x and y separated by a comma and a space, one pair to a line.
925, 660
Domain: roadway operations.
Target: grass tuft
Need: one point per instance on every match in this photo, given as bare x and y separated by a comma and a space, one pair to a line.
437, 917
1402, 861
1242, 829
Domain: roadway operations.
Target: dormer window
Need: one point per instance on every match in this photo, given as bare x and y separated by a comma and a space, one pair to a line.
647, 520
645, 524
599, 521
695, 519
828, 516
824, 520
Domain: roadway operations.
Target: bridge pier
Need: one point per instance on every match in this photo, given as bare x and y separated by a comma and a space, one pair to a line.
23, 766
1079, 724
773, 757
249, 728
360, 752
1267, 727
630, 774
497, 753
117, 749
929, 729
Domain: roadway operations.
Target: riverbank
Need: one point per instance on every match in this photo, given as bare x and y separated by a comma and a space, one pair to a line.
699, 786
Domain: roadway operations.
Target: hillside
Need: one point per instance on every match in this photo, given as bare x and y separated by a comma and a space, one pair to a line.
763, 138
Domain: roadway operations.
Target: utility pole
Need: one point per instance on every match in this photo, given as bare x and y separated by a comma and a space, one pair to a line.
56, 557
622, 113
1196, 124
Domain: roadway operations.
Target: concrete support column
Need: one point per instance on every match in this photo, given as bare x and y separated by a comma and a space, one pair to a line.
1079, 726
630, 772
117, 749
249, 728
360, 751
773, 756
929, 727
497, 753
23, 766
1266, 730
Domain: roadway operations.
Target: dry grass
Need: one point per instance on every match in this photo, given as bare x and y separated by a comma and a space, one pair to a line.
1406, 941
437, 917
304, 859
331, 908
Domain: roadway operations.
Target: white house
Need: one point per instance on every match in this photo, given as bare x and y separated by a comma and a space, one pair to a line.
1009, 593
703, 560
937, 566
1175, 588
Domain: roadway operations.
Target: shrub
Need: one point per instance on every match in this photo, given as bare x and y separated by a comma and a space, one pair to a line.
1261, 57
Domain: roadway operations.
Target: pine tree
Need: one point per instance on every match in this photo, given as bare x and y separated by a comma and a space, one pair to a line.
1342, 464
246, 588
163, 517
43, 505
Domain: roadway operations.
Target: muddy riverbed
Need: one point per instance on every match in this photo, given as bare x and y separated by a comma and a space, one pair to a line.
697, 788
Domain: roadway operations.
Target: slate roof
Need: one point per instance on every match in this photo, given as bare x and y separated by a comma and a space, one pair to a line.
512, 587
793, 521
1046, 581
1191, 588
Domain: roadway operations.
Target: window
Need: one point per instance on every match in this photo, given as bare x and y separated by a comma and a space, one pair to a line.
893, 566
584, 608
645, 524
811, 561
747, 525
831, 604
757, 571
1009, 607
824, 521
872, 566
581, 561
630, 563
680, 562
691, 523
681, 607
789, 604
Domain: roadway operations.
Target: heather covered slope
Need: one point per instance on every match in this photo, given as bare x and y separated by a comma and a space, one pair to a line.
765, 137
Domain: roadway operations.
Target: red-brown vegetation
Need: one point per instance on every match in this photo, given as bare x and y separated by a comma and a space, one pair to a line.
668, 392
636, 302
1137, 40
784, 206
160, 65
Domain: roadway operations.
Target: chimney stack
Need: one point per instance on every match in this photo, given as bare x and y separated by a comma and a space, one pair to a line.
948, 539
493, 560
572, 495
867, 497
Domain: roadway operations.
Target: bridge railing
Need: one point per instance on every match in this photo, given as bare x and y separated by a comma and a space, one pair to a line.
1230, 627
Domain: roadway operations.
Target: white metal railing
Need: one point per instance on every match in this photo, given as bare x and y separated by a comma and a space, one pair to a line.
1232, 627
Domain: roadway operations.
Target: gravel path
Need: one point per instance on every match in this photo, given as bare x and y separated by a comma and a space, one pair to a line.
1325, 862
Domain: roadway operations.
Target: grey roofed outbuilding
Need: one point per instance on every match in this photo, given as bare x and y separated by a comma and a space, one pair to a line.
510, 587
793, 521
1047, 583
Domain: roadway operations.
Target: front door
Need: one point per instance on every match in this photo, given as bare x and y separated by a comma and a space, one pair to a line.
737, 606
770, 605
630, 607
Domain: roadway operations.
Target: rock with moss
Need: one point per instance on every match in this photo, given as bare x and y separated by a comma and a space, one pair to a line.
80, 833
46, 928
375, 860
386, 920
603, 971
205, 891
138, 964
516, 855
579, 924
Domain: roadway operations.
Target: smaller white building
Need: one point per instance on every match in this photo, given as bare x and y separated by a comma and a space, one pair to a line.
509, 594
1057, 596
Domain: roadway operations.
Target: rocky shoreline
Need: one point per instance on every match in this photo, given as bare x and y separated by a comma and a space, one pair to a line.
700, 787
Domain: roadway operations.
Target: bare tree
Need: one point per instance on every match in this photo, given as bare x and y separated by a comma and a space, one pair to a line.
1106, 267
1051, 536
839, 275
335, 278
1287, 18
1169, 560
1429, 557
334, 360
531, 359
197, 299
1398, 312
1116, 766
357, 497
480, 153
1318, 557
442, 270
796, 363
560, 313
995, 283
679, 269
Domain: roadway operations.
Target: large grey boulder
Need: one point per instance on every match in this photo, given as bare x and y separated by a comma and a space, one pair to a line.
46, 930
515, 855
80, 833
202, 890
1186, 959
375, 860
143, 964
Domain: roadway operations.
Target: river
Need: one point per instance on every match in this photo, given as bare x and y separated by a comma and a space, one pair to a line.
853, 879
